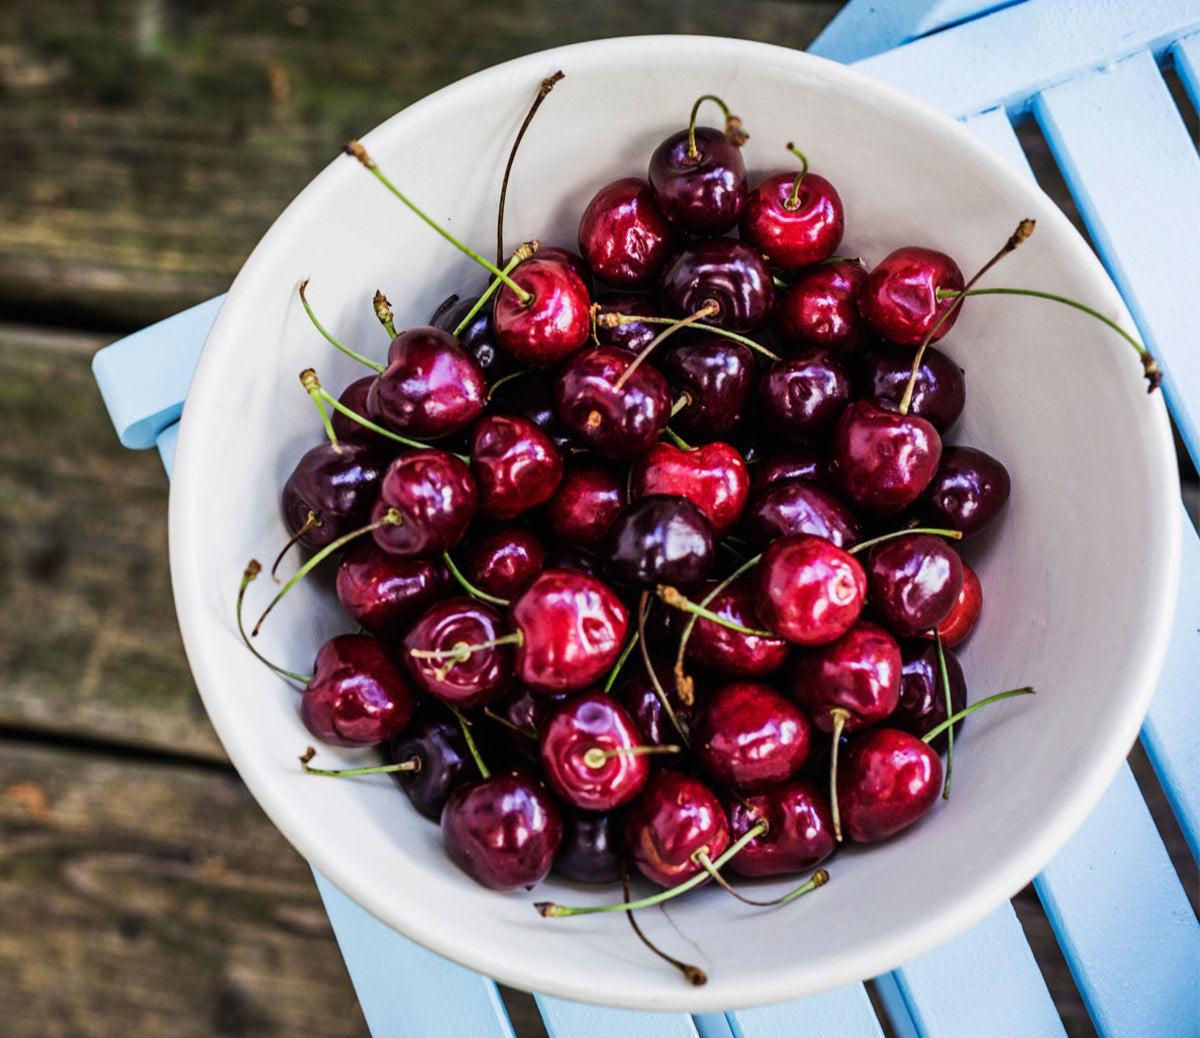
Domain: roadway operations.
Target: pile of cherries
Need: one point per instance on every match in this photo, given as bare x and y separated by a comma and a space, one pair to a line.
652, 553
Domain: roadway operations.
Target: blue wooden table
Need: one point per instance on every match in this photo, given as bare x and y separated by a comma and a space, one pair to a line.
1091, 76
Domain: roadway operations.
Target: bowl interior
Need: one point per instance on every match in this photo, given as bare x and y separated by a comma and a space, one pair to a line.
1091, 521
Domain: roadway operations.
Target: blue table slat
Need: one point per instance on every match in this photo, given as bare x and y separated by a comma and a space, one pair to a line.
994, 128
973, 67
1186, 55
1126, 155
851, 36
842, 1013
1124, 922
575, 1020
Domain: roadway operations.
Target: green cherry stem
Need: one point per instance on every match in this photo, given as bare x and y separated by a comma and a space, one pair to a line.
709, 309
520, 256
818, 879
677, 600
549, 909
953, 535
733, 125
945, 677
253, 569
413, 764
312, 386
357, 151
676, 439
374, 366
468, 587
840, 716
793, 199
595, 757
465, 725
542, 94
933, 733
460, 652
383, 310
610, 319
625, 653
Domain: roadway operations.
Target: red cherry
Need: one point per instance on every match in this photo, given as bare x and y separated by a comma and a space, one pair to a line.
961, 619
436, 498
337, 485
475, 677
793, 232
799, 832
800, 506
624, 235
666, 827
886, 781
750, 737
587, 502
820, 308
713, 477
808, 590
858, 676
385, 593
882, 461
357, 695
900, 297
502, 559
616, 421
516, 466
702, 191
913, 582
731, 651
554, 324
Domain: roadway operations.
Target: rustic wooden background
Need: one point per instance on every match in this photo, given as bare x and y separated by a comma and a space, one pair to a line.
145, 145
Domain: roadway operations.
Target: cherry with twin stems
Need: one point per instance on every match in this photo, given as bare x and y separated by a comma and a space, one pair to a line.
794, 219
820, 308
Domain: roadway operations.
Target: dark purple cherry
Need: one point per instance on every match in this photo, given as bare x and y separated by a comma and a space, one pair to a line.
553, 324
799, 832
441, 651
967, 492
887, 779
435, 739
638, 695
716, 375
789, 506
346, 429
674, 819
808, 590
807, 463
660, 539
502, 559
515, 464
792, 224
857, 675
922, 705
385, 593
750, 737
357, 696
431, 387
633, 336
587, 502
616, 421
900, 297
882, 371
713, 477
624, 235
726, 272
478, 337
592, 848
436, 498
913, 582
569, 556
731, 651
521, 712
337, 485
503, 831
803, 396
820, 308
882, 461
700, 182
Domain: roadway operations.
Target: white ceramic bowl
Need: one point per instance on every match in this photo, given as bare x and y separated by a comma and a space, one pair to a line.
1079, 577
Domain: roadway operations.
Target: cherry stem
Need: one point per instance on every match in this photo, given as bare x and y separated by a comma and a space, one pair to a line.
543, 92
818, 879
663, 698
840, 716
676, 439
1023, 231
507, 378
709, 309
625, 652
594, 757
470, 588
693, 974
685, 398
793, 199
1149, 365
683, 683
390, 518
549, 909
953, 535
610, 319
529, 733
933, 733
312, 386
253, 569
733, 125
520, 256
945, 677
311, 522
374, 366
383, 310
413, 764
677, 600
357, 151
460, 652
469, 739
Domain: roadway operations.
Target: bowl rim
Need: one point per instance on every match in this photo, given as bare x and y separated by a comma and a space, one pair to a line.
185, 527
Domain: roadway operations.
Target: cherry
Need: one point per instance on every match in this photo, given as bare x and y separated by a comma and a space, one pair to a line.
857, 677
572, 628
967, 491
336, 486
960, 621
913, 582
357, 695
660, 539
922, 705
477, 336
699, 177
674, 819
436, 741
883, 371
715, 376
789, 506
346, 429
730, 651
750, 737
586, 749
799, 832
633, 336
804, 395
639, 697
615, 417
592, 850
587, 502
502, 559
624, 235
503, 830
713, 477
554, 323
436, 498
883, 461
794, 219
887, 781
577, 264
724, 271
515, 464
385, 593
449, 652
902, 298
820, 308
807, 463
431, 387
808, 590
520, 713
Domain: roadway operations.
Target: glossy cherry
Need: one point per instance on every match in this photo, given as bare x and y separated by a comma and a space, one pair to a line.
724, 271
799, 832
515, 464
592, 848
808, 590
660, 539
886, 781
436, 497
882, 371
347, 430
967, 491
624, 235
792, 224
882, 461
802, 396
553, 324
913, 582
750, 737
715, 376
615, 421
434, 739
639, 697
357, 696
385, 593
789, 506
588, 500
820, 308
922, 705
670, 823
501, 559
858, 675
900, 299
474, 675
964, 614
337, 485
701, 190
478, 337
810, 463
714, 477
729, 651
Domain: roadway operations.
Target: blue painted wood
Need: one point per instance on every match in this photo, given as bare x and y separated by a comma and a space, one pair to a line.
894, 1006
985, 983
1115, 132
576, 1020
144, 382
404, 990
166, 445
994, 127
842, 1013
1124, 922
1003, 59
1186, 56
